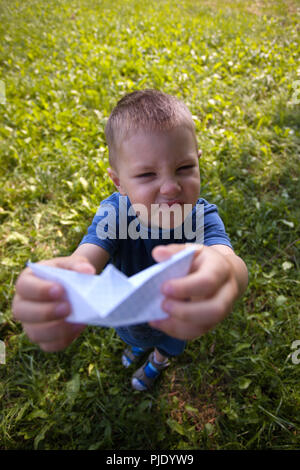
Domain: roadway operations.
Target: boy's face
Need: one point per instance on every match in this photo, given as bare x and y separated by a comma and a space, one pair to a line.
159, 168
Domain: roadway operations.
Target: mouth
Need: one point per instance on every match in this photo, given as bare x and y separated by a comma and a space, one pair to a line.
171, 203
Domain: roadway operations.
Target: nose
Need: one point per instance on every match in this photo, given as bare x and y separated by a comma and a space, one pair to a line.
170, 188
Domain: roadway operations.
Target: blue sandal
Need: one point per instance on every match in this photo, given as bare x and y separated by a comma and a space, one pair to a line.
131, 355
144, 377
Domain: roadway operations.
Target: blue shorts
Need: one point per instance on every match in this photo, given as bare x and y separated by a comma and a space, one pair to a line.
146, 337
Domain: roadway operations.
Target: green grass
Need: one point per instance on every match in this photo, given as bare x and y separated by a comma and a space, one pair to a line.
64, 65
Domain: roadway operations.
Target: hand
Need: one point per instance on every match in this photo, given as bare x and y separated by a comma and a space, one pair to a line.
41, 306
203, 298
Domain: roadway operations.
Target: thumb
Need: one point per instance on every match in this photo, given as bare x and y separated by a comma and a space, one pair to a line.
73, 263
164, 252
82, 264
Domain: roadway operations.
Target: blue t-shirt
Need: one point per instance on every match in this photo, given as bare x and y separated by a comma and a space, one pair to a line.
115, 226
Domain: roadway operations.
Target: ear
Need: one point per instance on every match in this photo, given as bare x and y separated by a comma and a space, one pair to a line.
116, 180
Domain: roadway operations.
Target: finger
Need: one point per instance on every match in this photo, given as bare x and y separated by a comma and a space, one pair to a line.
38, 312
197, 284
204, 312
164, 252
73, 263
55, 346
179, 329
59, 344
31, 287
55, 331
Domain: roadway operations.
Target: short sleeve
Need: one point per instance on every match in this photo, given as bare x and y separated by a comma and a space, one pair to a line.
104, 227
214, 229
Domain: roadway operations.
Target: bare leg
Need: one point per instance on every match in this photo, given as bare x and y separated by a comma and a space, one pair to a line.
159, 357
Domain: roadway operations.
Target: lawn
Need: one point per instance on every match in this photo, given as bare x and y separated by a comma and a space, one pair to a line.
63, 66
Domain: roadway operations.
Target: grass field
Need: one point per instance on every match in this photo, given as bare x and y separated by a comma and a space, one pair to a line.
63, 66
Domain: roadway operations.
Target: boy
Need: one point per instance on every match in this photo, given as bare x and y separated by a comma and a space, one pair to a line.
153, 159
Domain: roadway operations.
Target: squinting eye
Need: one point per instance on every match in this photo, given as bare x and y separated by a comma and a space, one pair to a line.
145, 175
186, 167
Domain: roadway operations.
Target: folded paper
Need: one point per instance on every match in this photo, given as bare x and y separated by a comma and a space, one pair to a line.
113, 299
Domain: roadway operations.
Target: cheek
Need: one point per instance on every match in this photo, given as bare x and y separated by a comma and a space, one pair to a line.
144, 194
192, 190
192, 184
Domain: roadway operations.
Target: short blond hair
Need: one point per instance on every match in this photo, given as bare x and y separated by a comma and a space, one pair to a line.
148, 110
